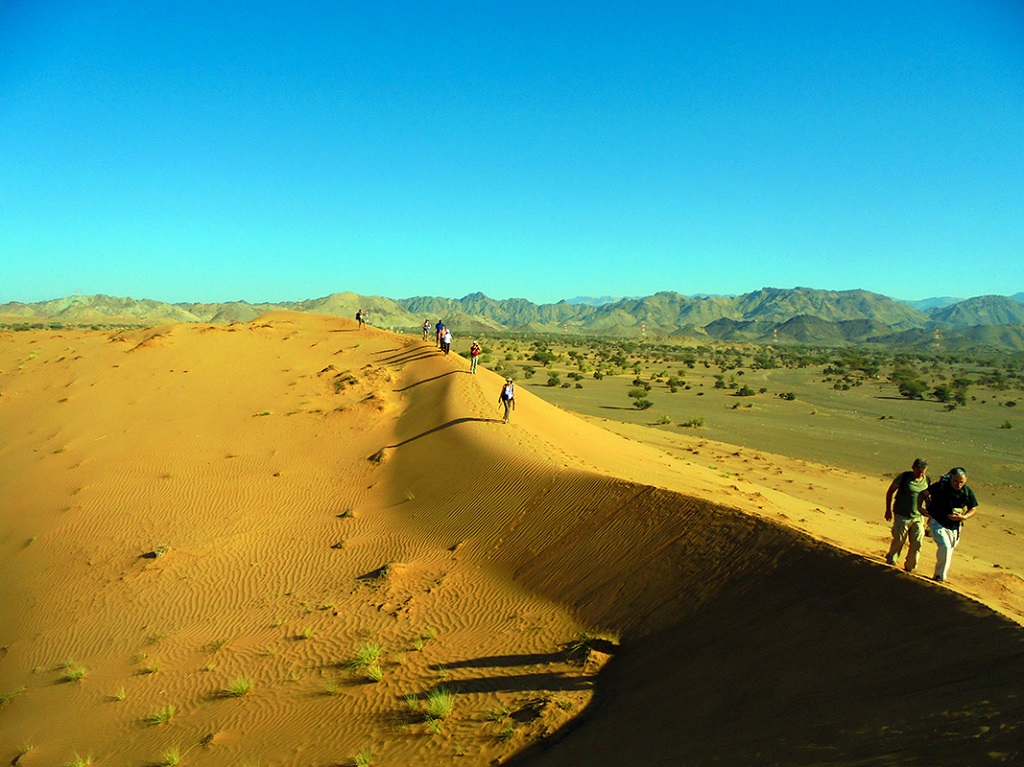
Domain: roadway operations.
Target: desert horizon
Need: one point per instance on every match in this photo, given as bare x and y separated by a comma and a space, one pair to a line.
291, 541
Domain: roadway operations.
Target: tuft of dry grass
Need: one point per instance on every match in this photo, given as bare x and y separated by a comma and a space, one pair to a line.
163, 715
238, 687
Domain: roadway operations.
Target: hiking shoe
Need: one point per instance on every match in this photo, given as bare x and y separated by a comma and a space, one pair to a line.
890, 561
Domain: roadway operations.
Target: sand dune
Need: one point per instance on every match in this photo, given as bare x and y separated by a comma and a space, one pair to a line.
188, 508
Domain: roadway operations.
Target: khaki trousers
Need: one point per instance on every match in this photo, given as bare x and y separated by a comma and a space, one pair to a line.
904, 529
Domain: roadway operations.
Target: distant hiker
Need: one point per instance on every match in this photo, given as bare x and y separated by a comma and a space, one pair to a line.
907, 522
508, 398
474, 355
438, 330
948, 503
446, 341
426, 329
359, 318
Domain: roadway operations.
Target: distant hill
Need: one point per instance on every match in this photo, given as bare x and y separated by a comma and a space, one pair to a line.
592, 300
983, 310
768, 315
933, 303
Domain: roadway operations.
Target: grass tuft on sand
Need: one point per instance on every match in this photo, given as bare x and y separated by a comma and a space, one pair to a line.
440, 703
163, 715
238, 687
171, 757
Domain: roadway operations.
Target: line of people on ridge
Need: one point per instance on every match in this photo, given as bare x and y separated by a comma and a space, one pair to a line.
443, 339
913, 500
442, 336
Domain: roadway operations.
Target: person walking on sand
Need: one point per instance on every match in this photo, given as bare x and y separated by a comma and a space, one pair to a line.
438, 330
446, 341
426, 329
907, 522
508, 398
474, 355
947, 503
360, 317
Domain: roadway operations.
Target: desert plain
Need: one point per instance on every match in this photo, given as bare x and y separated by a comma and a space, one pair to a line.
294, 542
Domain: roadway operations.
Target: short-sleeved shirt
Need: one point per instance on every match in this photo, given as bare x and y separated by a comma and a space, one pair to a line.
907, 490
944, 498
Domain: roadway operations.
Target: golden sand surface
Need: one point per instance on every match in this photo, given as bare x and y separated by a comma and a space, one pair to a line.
204, 529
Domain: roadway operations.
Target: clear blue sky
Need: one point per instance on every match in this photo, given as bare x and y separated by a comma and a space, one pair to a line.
188, 151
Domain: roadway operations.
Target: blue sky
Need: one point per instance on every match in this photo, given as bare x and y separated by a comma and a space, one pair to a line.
265, 151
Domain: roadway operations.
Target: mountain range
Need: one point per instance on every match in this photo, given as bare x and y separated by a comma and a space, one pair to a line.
768, 315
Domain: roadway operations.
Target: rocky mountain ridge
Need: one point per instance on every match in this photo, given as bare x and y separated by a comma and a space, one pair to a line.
768, 315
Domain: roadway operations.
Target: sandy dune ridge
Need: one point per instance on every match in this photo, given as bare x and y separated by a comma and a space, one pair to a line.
186, 507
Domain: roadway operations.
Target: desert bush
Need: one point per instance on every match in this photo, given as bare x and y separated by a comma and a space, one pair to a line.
171, 757
8, 697
162, 716
440, 703
73, 672
366, 655
238, 687
908, 383
693, 423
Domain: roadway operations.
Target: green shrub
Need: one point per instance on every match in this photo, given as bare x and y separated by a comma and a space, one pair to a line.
238, 687
440, 703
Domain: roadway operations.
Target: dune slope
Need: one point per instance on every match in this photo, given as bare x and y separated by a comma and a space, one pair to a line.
190, 507
742, 642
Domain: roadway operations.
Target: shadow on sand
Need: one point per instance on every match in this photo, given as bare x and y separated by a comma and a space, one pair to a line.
442, 427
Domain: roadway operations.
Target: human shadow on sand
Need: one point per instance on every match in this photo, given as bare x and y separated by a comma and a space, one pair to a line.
504, 661
570, 652
404, 356
541, 681
435, 378
454, 422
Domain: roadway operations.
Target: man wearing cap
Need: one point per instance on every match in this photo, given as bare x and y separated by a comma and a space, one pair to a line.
508, 398
907, 522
